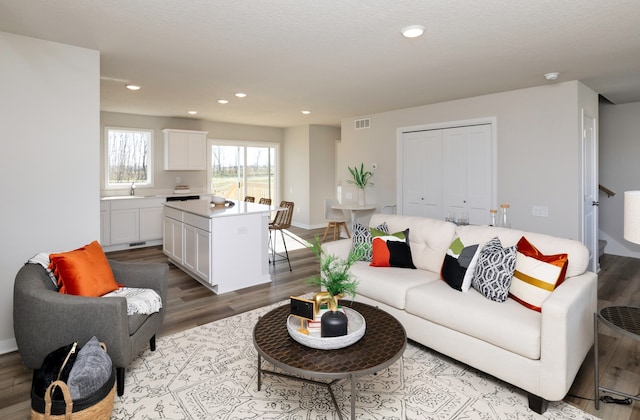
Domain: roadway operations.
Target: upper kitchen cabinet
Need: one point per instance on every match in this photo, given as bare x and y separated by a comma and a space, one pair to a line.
185, 150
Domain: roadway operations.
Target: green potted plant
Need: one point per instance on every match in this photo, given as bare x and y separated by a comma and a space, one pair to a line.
334, 277
338, 282
360, 178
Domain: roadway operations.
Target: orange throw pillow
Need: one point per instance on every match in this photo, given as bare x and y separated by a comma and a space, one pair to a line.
84, 271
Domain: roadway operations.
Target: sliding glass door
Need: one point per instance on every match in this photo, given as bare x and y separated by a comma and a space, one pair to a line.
237, 170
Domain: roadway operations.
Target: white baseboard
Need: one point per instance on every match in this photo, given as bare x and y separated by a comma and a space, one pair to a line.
8, 346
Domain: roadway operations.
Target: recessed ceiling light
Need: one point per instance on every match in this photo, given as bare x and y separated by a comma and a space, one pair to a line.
552, 76
223, 101
241, 95
192, 112
132, 87
306, 112
412, 31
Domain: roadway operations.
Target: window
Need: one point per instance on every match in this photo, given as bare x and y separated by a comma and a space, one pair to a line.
238, 170
128, 157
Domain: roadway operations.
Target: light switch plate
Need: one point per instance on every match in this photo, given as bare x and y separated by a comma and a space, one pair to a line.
540, 211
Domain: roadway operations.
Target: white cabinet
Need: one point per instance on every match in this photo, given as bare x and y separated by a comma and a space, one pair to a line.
135, 222
125, 227
223, 252
185, 150
150, 223
172, 234
449, 169
197, 237
187, 239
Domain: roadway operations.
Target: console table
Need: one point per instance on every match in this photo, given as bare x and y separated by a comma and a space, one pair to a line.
353, 208
623, 319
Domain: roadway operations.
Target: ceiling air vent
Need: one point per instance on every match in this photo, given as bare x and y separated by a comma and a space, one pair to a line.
363, 123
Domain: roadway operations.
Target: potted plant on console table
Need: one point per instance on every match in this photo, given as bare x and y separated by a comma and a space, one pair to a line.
337, 282
361, 179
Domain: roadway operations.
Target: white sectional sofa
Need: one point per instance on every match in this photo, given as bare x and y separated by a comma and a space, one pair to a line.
539, 352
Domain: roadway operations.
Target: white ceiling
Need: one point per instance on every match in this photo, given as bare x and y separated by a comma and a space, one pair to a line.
337, 58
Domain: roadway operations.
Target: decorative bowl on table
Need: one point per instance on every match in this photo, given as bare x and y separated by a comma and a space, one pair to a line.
356, 328
216, 199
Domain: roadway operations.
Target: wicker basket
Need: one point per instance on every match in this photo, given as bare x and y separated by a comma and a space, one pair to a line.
97, 406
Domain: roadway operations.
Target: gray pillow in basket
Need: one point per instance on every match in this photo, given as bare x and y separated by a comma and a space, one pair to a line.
91, 371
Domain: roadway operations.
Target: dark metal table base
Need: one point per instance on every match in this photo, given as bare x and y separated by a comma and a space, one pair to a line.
626, 321
382, 344
314, 382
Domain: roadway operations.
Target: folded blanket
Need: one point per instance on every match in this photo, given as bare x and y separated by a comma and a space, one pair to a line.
139, 301
43, 259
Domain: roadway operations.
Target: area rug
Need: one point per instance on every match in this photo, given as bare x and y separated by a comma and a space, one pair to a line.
210, 372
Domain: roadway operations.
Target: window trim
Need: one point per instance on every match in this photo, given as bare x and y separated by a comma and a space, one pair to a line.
150, 166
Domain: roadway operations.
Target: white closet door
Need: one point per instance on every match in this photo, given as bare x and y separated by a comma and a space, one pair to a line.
467, 176
455, 174
421, 173
479, 174
446, 170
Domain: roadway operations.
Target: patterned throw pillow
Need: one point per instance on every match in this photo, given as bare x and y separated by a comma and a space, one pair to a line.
536, 275
361, 239
492, 276
392, 250
459, 263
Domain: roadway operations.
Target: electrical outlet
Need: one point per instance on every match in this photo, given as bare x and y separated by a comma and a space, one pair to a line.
348, 196
178, 180
540, 211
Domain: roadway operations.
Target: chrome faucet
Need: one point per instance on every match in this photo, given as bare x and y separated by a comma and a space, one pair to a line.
132, 191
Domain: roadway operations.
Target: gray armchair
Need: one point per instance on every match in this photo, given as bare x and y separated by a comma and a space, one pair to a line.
44, 320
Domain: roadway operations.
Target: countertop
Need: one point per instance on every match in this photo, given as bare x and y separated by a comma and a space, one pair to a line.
129, 197
206, 209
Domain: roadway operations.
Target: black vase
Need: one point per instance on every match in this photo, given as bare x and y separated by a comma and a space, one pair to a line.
333, 324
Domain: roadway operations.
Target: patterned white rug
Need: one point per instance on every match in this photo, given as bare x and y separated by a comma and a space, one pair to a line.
209, 372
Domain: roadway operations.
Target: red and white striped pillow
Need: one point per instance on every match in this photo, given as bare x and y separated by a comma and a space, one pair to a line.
536, 275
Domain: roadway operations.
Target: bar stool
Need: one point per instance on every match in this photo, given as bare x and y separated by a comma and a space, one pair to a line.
281, 222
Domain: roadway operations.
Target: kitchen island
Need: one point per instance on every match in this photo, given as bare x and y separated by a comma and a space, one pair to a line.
224, 248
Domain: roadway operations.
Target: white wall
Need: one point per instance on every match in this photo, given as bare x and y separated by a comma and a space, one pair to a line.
309, 172
49, 114
619, 171
539, 150
164, 181
296, 172
322, 167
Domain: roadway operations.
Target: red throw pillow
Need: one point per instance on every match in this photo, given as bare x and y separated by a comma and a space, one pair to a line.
84, 271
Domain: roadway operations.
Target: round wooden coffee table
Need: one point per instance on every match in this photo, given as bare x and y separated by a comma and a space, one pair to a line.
382, 344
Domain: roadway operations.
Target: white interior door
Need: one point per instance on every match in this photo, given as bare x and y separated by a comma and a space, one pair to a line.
590, 190
421, 173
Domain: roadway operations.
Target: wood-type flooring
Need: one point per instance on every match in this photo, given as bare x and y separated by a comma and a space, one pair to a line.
190, 304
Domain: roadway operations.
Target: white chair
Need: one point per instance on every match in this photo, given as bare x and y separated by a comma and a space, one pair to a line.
335, 219
388, 209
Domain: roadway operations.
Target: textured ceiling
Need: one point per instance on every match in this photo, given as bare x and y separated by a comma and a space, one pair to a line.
337, 58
